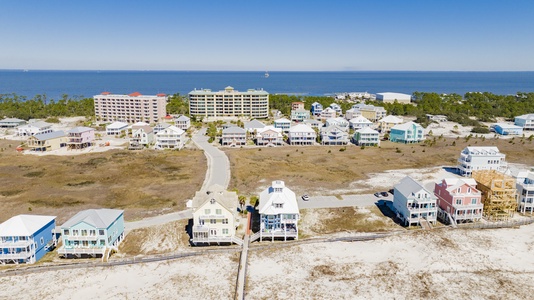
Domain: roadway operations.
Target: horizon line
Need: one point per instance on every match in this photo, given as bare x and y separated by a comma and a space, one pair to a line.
254, 71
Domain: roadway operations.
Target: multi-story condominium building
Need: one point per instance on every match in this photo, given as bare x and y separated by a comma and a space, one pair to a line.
302, 135
92, 232
327, 113
359, 122
413, 202
507, 129
234, 136
141, 137
34, 128
366, 137
299, 115
459, 200
171, 137
11, 122
26, 238
407, 133
336, 108
316, 108
229, 103
279, 212
371, 112
214, 216
47, 141
392, 97
297, 105
130, 108
525, 121
525, 192
334, 135
283, 124
117, 128
80, 137
182, 122
481, 158
385, 124
269, 136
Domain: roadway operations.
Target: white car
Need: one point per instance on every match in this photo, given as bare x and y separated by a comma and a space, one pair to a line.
305, 197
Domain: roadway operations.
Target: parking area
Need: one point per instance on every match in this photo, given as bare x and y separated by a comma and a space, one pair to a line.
346, 200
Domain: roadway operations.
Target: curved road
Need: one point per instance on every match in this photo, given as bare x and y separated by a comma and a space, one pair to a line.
218, 172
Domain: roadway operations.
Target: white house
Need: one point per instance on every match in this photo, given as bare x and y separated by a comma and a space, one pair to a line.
366, 137
301, 135
160, 126
525, 192
481, 158
234, 136
183, 122
253, 126
269, 136
386, 123
359, 122
334, 135
299, 115
117, 128
328, 113
525, 121
141, 137
336, 108
339, 121
352, 113
279, 212
11, 122
313, 123
414, 202
171, 137
34, 128
214, 216
392, 97
283, 124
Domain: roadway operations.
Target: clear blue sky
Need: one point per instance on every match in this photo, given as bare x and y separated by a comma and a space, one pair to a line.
270, 35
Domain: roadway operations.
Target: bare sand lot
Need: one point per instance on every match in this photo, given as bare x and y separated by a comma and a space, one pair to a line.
315, 168
437, 264
200, 277
144, 183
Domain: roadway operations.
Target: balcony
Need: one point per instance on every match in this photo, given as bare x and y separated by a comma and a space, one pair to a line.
18, 255
81, 237
17, 244
82, 250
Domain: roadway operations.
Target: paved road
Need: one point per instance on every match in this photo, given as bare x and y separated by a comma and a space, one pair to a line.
218, 164
158, 220
347, 200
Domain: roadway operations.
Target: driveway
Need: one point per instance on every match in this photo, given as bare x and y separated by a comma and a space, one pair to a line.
218, 164
346, 200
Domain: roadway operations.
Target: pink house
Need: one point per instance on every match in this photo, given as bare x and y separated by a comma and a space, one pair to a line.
81, 137
458, 200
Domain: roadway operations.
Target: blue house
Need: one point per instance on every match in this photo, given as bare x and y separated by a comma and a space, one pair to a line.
26, 238
316, 109
92, 232
507, 129
406, 133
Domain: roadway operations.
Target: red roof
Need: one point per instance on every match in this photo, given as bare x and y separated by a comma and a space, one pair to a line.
135, 94
105, 93
168, 117
161, 95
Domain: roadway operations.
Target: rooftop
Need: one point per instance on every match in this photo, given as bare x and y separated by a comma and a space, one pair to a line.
24, 225
98, 218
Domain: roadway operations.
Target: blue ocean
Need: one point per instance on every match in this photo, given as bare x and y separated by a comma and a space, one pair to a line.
54, 84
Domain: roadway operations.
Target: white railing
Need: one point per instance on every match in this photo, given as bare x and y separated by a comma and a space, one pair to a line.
80, 250
17, 244
18, 255
81, 237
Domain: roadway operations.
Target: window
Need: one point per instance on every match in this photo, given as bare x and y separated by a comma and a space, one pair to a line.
474, 201
42, 240
75, 232
207, 211
66, 232
458, 201
84, 232
225, 231
213, 221
101, 232
218, 211
225, 221
92, 232
102, 242
278, 205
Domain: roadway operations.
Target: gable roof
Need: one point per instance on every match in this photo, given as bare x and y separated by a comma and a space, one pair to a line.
139, 124
526, 117
254, 124
49, 135
38, 124
282, 120
146, 129
98, 218
286, 197
301, 128
228, 199
80, 129
360, 120
24, 225
182, 118
172, 128
270, 128
117, 125
455, 183
405, 126
507, 126
11, 120
367, 130
408, 186
391, 119
234, 129
163, 125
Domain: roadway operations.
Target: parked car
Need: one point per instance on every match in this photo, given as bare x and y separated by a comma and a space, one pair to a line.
384, 194
377, 194
305, 197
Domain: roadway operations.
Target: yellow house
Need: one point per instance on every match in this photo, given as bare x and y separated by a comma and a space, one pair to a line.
47, 141
386, 123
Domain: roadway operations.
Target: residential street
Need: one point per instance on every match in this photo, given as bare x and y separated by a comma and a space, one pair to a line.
218, 164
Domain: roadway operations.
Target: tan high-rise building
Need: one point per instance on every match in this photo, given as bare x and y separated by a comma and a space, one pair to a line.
130, 108
252, 104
